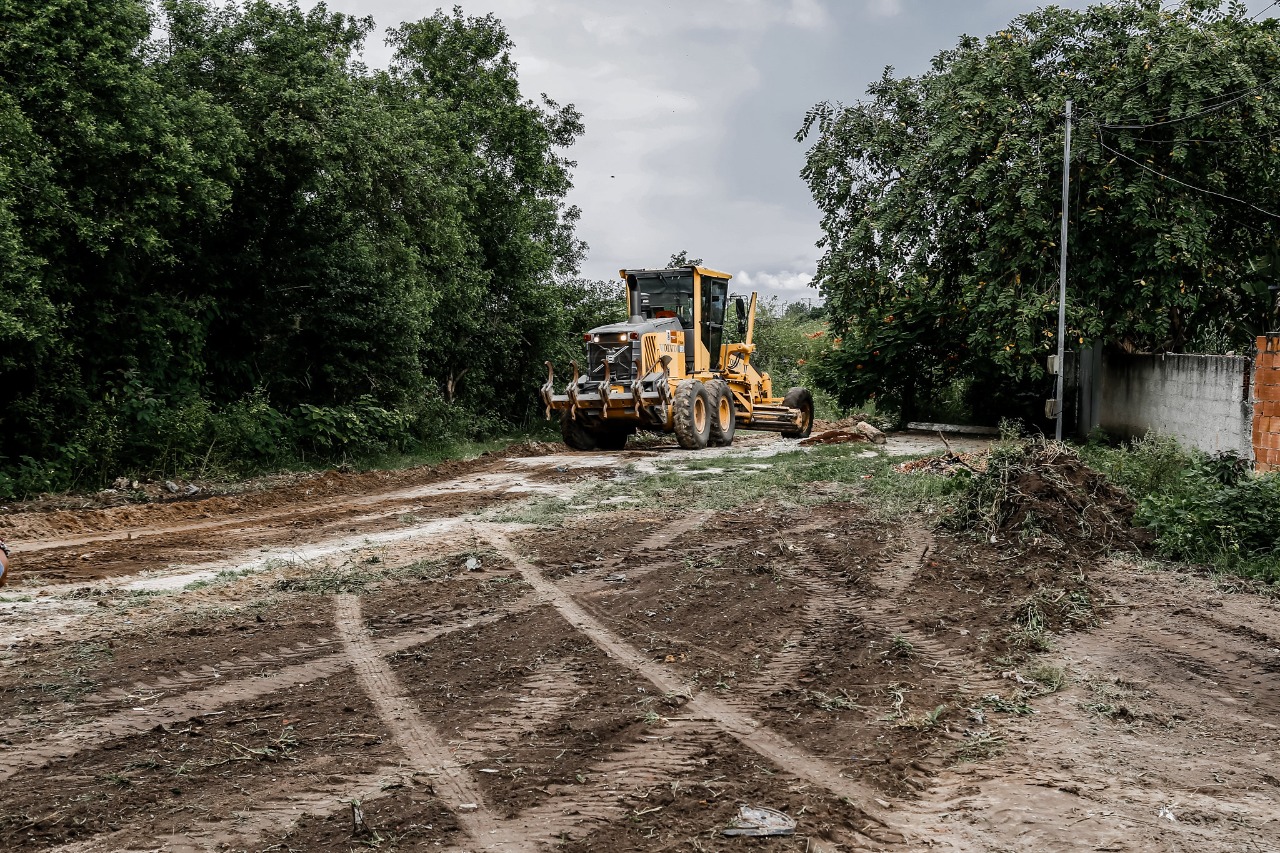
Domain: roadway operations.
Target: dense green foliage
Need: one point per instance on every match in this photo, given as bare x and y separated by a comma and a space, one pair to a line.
1207, 510
225, 241
940, 197
790, 340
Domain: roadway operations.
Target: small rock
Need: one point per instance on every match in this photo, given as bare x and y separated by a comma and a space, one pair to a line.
473, 564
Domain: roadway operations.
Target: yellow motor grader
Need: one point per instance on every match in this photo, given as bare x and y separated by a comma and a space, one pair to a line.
668, 369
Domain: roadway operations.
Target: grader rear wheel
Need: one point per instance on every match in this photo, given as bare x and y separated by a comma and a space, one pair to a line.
802, 399
693, 410
724, 420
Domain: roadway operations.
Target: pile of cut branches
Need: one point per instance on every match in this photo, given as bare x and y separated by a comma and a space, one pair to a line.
1042, 492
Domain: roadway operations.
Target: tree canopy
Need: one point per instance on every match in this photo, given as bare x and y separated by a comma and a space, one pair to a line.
940, 196
220, 231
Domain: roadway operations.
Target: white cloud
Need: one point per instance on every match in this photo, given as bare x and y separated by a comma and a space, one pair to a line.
807, 14
884, 8
788, 285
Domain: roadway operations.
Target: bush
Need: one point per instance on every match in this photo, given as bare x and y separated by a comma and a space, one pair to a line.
1202, 509
143, 435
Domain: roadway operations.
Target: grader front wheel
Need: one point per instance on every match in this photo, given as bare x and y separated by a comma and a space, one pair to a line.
693, 414
575, 433
724, 422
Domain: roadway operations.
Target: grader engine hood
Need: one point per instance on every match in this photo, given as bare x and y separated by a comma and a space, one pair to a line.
618, 344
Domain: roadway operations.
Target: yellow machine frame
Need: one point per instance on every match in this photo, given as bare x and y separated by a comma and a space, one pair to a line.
663, 353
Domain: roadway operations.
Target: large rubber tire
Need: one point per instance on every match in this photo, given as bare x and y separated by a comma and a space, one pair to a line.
612, 438
575, 433
693, 410
724, 416
800, 398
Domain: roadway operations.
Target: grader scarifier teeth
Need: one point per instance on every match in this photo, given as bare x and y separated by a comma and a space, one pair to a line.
603, 391
572, 391
549, 390
664, 388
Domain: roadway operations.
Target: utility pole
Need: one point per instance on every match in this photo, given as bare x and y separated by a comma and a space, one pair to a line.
1062, 275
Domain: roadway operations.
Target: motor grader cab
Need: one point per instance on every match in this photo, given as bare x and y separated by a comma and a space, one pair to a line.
669, 369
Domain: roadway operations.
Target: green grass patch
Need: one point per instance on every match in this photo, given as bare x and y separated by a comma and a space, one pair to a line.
733, 481
222, 578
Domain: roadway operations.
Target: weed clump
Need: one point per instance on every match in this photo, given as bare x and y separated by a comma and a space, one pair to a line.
1202, 509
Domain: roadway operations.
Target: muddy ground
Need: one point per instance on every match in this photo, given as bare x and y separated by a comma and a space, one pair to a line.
575, 651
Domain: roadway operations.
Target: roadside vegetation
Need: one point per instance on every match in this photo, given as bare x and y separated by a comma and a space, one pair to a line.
220, 251
1209, 510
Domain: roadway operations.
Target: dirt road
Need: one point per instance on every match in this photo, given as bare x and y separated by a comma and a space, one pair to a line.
606, 652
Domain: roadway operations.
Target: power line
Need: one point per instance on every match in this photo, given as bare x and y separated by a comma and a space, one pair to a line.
1271, 134
1265, 8
1234, 98
1172, 179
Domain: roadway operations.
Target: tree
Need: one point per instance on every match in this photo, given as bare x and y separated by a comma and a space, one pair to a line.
940, 202
323, 272
104, 171
504, 314
682, 259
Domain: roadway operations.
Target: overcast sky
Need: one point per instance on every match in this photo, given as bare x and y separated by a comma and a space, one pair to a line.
691, 109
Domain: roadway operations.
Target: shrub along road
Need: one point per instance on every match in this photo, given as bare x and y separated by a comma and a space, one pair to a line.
614, 652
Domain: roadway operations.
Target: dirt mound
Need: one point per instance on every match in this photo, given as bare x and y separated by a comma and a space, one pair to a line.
526, 449
1036, 491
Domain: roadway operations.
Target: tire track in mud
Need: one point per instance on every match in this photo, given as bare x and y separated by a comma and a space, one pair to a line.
898, 568
659, 540
575, 811
137, 531
828, 610
427, 752
274, 814
895, 572
93, 733
1224, 671
728, 718
550, 689
185, 680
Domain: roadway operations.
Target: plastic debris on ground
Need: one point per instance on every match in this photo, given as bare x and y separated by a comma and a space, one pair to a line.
760, 821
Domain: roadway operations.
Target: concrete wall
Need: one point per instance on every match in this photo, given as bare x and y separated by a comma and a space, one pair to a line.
1204, 401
